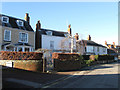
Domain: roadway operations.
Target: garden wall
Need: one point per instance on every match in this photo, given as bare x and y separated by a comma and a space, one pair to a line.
30, 65
66, 61
31, 61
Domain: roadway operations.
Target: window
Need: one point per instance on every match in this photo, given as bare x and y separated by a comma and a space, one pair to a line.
5, 19
66, 35
104, 49
52, 45
19, 49
97, 49
7, 35
93, 48
49, 32
23, 37
19, 23
27, 49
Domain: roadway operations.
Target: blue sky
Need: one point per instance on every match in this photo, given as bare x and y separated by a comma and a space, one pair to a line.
99, 19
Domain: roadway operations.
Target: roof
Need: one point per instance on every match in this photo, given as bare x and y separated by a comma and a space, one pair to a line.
111, 51
17, 44
22, 44
54, 32
12, 23
91, 43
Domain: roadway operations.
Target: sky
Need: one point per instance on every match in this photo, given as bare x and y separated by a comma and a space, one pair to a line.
98, 19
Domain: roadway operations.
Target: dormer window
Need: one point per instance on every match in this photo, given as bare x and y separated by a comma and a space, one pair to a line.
19, 23
66, 35
5, 19
49, 33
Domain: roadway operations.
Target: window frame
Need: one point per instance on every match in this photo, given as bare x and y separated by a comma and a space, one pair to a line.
52, 44
18, 23
20, 37
6, 18
5, 35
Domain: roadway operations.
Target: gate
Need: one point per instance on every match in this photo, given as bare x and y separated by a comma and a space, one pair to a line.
48, 60
48, 64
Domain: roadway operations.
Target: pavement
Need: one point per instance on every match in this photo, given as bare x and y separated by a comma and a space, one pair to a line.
16, 78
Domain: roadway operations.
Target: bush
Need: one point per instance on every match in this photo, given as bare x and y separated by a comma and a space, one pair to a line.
92, 57
89, 62
66, 56
96, 57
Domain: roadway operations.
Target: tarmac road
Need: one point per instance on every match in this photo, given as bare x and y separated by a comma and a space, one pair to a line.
99, 76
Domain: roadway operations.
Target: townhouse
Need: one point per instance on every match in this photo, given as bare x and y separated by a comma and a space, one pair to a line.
16, 34
53, 40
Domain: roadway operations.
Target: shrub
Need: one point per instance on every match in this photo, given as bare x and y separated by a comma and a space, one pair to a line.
96, 57
66, 56
92, 57
88, 62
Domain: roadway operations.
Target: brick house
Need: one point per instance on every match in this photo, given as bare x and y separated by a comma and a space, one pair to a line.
16, 34
52, 39
89, 47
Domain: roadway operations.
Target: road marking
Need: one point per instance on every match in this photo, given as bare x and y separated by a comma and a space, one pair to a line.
24, 82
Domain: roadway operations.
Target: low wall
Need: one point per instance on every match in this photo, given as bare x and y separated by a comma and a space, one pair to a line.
30, 65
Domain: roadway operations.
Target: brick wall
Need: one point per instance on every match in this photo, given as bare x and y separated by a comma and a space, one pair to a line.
30, 65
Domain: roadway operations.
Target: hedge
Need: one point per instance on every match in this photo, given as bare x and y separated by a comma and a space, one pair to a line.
7, 55
101, 57
66, 56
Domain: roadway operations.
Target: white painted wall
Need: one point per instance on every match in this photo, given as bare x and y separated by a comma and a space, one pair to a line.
101, 51
57, 42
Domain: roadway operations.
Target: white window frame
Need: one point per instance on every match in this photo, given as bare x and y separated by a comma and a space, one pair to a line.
18, 22
5, 35
6, 18
23, 41
52, 43
49, 33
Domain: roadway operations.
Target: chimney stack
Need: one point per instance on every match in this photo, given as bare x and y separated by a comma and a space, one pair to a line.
89, 37
105, 42
69, 30
77, 36
38, 25
27, 18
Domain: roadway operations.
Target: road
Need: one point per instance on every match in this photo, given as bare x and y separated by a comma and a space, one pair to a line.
99, 76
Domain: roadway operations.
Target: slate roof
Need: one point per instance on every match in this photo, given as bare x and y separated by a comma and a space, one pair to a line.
12, 23
54, 32
91, 43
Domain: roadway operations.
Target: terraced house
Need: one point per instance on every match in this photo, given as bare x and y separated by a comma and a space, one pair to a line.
16, 34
